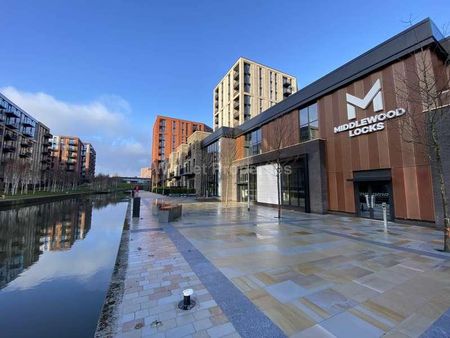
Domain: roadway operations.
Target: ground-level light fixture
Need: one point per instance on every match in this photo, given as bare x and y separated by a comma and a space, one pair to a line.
187, 303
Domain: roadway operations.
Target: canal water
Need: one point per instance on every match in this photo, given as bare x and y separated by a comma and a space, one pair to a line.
56, 261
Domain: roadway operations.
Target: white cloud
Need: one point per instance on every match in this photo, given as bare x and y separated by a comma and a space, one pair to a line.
104, 122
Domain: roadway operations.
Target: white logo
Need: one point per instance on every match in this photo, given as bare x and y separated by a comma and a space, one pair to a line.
368, 124
374, 95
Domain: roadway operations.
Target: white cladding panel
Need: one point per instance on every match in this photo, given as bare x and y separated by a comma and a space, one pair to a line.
266, 184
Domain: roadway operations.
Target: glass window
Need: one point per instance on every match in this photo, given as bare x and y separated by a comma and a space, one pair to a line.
309, 123
312, 112
303, 116
253, 143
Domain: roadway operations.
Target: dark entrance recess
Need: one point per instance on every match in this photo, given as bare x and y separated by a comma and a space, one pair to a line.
372, 188
294, 184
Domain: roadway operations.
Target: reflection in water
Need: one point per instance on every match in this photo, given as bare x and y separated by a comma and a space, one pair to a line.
56, 261
27, 232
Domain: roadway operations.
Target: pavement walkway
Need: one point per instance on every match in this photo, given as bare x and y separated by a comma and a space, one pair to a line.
305, 275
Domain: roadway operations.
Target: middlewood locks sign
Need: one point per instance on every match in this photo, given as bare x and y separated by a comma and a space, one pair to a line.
372, 123
369, 124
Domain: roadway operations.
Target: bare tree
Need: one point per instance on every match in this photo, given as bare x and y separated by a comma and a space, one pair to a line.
424, 90
282, 128
9, 175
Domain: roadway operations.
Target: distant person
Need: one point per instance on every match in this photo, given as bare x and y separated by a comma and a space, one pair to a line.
136, 191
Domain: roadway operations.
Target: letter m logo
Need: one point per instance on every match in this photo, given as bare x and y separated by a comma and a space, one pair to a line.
374, 95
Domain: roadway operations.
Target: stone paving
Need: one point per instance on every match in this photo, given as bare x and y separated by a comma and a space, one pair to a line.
305, 275
157, 273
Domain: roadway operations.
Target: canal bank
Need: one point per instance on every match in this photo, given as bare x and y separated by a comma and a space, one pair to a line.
56, 261
31, 199
108, 315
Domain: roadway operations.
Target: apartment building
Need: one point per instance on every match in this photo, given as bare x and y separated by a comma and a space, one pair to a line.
342, 137
22, 137
194, 170
68, 154
175, 167
146, 172
248, 89
185, 166
168, 134
42, 154
90, 156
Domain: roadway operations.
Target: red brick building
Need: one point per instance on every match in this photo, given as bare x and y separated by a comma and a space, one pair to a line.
168, 134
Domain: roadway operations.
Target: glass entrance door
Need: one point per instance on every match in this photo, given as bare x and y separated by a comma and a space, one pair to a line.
370, 198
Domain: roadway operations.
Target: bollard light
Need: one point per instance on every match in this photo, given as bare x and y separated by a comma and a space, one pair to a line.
187, 303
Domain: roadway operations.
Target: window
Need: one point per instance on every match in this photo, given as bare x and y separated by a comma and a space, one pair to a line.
253, 143
247, 105
309, 123
294, 186
229, 87
247, 77
260, 82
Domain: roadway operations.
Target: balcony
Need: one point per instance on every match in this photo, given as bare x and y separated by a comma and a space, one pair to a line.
25, 154
9, 148
236, 104
236, 114
26, 144
235, 75
287, 92
27, 124
235, 85
286, 84
28, 133
11, 124
11, 113
10, 137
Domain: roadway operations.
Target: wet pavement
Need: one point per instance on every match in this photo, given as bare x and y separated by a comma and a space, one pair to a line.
305, 275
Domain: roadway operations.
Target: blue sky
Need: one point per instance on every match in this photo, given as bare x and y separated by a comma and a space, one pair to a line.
104, 69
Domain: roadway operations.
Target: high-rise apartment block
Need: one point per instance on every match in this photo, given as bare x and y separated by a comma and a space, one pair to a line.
67, 154
26, 145
90, 155
248, 89
168, 134
70, 154
22, 138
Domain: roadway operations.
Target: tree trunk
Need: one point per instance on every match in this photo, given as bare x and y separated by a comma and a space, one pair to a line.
278, 190
442, 188
226, 192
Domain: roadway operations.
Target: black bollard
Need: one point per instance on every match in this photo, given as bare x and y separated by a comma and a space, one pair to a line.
136, 206
186, 301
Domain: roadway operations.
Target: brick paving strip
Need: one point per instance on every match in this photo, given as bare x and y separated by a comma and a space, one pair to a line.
161, 264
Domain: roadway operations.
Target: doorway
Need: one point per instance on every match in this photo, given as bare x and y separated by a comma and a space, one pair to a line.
371, 194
